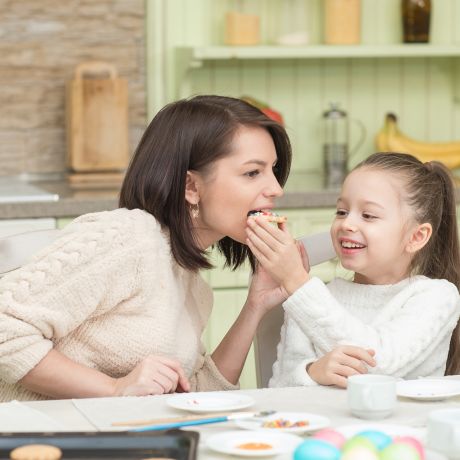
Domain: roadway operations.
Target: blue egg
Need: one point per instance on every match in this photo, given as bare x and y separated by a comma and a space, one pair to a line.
316, 449
378, 438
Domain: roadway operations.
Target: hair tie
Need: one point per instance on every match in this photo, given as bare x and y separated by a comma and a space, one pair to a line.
429, 166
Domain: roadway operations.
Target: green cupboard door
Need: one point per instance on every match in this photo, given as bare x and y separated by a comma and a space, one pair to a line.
227, 305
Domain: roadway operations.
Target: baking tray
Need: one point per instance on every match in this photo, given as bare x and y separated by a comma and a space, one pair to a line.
170, 444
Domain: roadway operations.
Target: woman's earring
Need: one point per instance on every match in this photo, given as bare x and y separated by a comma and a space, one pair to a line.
195, 210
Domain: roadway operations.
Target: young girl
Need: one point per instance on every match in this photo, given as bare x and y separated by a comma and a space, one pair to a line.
396, 229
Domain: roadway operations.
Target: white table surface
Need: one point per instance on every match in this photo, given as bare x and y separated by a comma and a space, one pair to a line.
328, 401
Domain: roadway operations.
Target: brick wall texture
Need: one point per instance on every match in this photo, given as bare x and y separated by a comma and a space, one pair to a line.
41, 42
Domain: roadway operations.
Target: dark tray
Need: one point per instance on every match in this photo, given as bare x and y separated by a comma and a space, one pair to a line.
171, 444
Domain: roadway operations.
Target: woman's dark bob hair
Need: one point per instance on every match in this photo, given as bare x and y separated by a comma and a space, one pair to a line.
191, 134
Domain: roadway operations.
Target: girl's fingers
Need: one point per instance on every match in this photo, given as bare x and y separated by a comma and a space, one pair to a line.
258, 227
354, 363
279, 234
360, 353
258, 254
259, 243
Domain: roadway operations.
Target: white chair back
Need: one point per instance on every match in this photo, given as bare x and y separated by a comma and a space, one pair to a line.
265, 342
16, 250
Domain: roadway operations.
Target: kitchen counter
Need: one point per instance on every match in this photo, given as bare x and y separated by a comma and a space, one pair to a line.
303, 190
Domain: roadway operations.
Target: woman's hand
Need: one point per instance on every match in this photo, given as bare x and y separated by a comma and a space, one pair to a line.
154, 375
279, 253
334, 367
264, 293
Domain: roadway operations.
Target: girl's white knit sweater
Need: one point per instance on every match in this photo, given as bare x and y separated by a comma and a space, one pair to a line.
106, 294
408, 324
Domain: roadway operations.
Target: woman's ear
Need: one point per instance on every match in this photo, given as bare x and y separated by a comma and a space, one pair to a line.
192, 194
420, 237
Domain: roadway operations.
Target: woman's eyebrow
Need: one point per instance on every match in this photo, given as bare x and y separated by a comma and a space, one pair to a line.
257, 162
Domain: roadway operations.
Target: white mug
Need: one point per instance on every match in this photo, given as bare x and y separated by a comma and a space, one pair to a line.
371, 396
443, 432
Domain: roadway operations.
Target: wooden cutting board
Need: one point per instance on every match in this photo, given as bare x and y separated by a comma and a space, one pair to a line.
97, 119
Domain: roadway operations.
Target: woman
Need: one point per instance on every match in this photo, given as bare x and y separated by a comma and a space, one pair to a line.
116, 305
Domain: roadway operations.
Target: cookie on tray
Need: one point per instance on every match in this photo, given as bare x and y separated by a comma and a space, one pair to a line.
36, 452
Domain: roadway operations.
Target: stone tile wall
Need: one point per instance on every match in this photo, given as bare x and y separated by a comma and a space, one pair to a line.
41, 42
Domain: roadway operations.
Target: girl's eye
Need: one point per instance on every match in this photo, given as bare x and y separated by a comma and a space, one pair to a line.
340, 213
369, 216
252, 173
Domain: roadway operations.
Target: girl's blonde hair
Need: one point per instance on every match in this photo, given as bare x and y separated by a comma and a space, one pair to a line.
430, 192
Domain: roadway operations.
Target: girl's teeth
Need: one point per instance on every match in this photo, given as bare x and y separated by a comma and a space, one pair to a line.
347, 244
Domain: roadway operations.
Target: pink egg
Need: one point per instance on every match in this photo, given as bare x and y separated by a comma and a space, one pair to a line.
331, 436
413, 442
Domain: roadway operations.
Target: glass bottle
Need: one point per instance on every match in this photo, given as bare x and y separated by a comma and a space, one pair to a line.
416, 20
335, 147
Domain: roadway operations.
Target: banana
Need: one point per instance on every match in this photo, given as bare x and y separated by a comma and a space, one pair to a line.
390, 138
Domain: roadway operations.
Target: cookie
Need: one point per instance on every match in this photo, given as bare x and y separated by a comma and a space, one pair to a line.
36, 452
269, 215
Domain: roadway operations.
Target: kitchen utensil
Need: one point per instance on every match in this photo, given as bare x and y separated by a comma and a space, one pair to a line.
97, 119
336, 151
205, 420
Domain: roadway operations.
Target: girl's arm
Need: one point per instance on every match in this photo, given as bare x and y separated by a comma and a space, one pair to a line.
413, 324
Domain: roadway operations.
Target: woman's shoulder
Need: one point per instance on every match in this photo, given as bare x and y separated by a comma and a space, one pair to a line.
121, 222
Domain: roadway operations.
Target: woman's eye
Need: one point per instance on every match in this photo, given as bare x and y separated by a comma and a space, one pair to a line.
252, 173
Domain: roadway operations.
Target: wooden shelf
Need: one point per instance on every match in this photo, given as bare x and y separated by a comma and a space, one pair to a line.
215, 53
188, 58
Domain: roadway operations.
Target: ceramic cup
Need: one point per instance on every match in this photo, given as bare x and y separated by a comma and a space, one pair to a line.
371, 396
443, 432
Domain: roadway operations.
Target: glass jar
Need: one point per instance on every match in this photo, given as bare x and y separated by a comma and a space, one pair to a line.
291, 23
342, 22
416, 16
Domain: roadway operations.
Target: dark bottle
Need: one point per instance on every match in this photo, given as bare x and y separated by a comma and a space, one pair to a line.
416, 20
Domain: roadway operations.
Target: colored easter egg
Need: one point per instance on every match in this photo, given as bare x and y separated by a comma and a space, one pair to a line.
359, 441
316, 449
413, 442
398, 451
331, 436
360, 453
378, 438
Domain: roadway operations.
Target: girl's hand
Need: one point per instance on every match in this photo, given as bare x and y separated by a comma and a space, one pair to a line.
334, 367
278, 253
154, 375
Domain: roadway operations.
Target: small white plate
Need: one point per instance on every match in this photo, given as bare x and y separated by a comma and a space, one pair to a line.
230, 442
213, 401
428, 389
391, 430
315, 422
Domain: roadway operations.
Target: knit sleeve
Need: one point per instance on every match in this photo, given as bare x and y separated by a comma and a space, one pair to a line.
413, 325
294, 352
207, 377
81, 276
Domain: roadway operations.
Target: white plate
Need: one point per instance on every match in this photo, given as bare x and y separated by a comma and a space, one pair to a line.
229, 442
428, 389
315, 422
213, 401
391, 430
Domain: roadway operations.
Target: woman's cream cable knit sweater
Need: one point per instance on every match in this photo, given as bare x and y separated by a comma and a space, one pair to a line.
106, 294
408, 324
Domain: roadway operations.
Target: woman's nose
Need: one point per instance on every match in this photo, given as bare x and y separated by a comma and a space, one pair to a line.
274, 189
